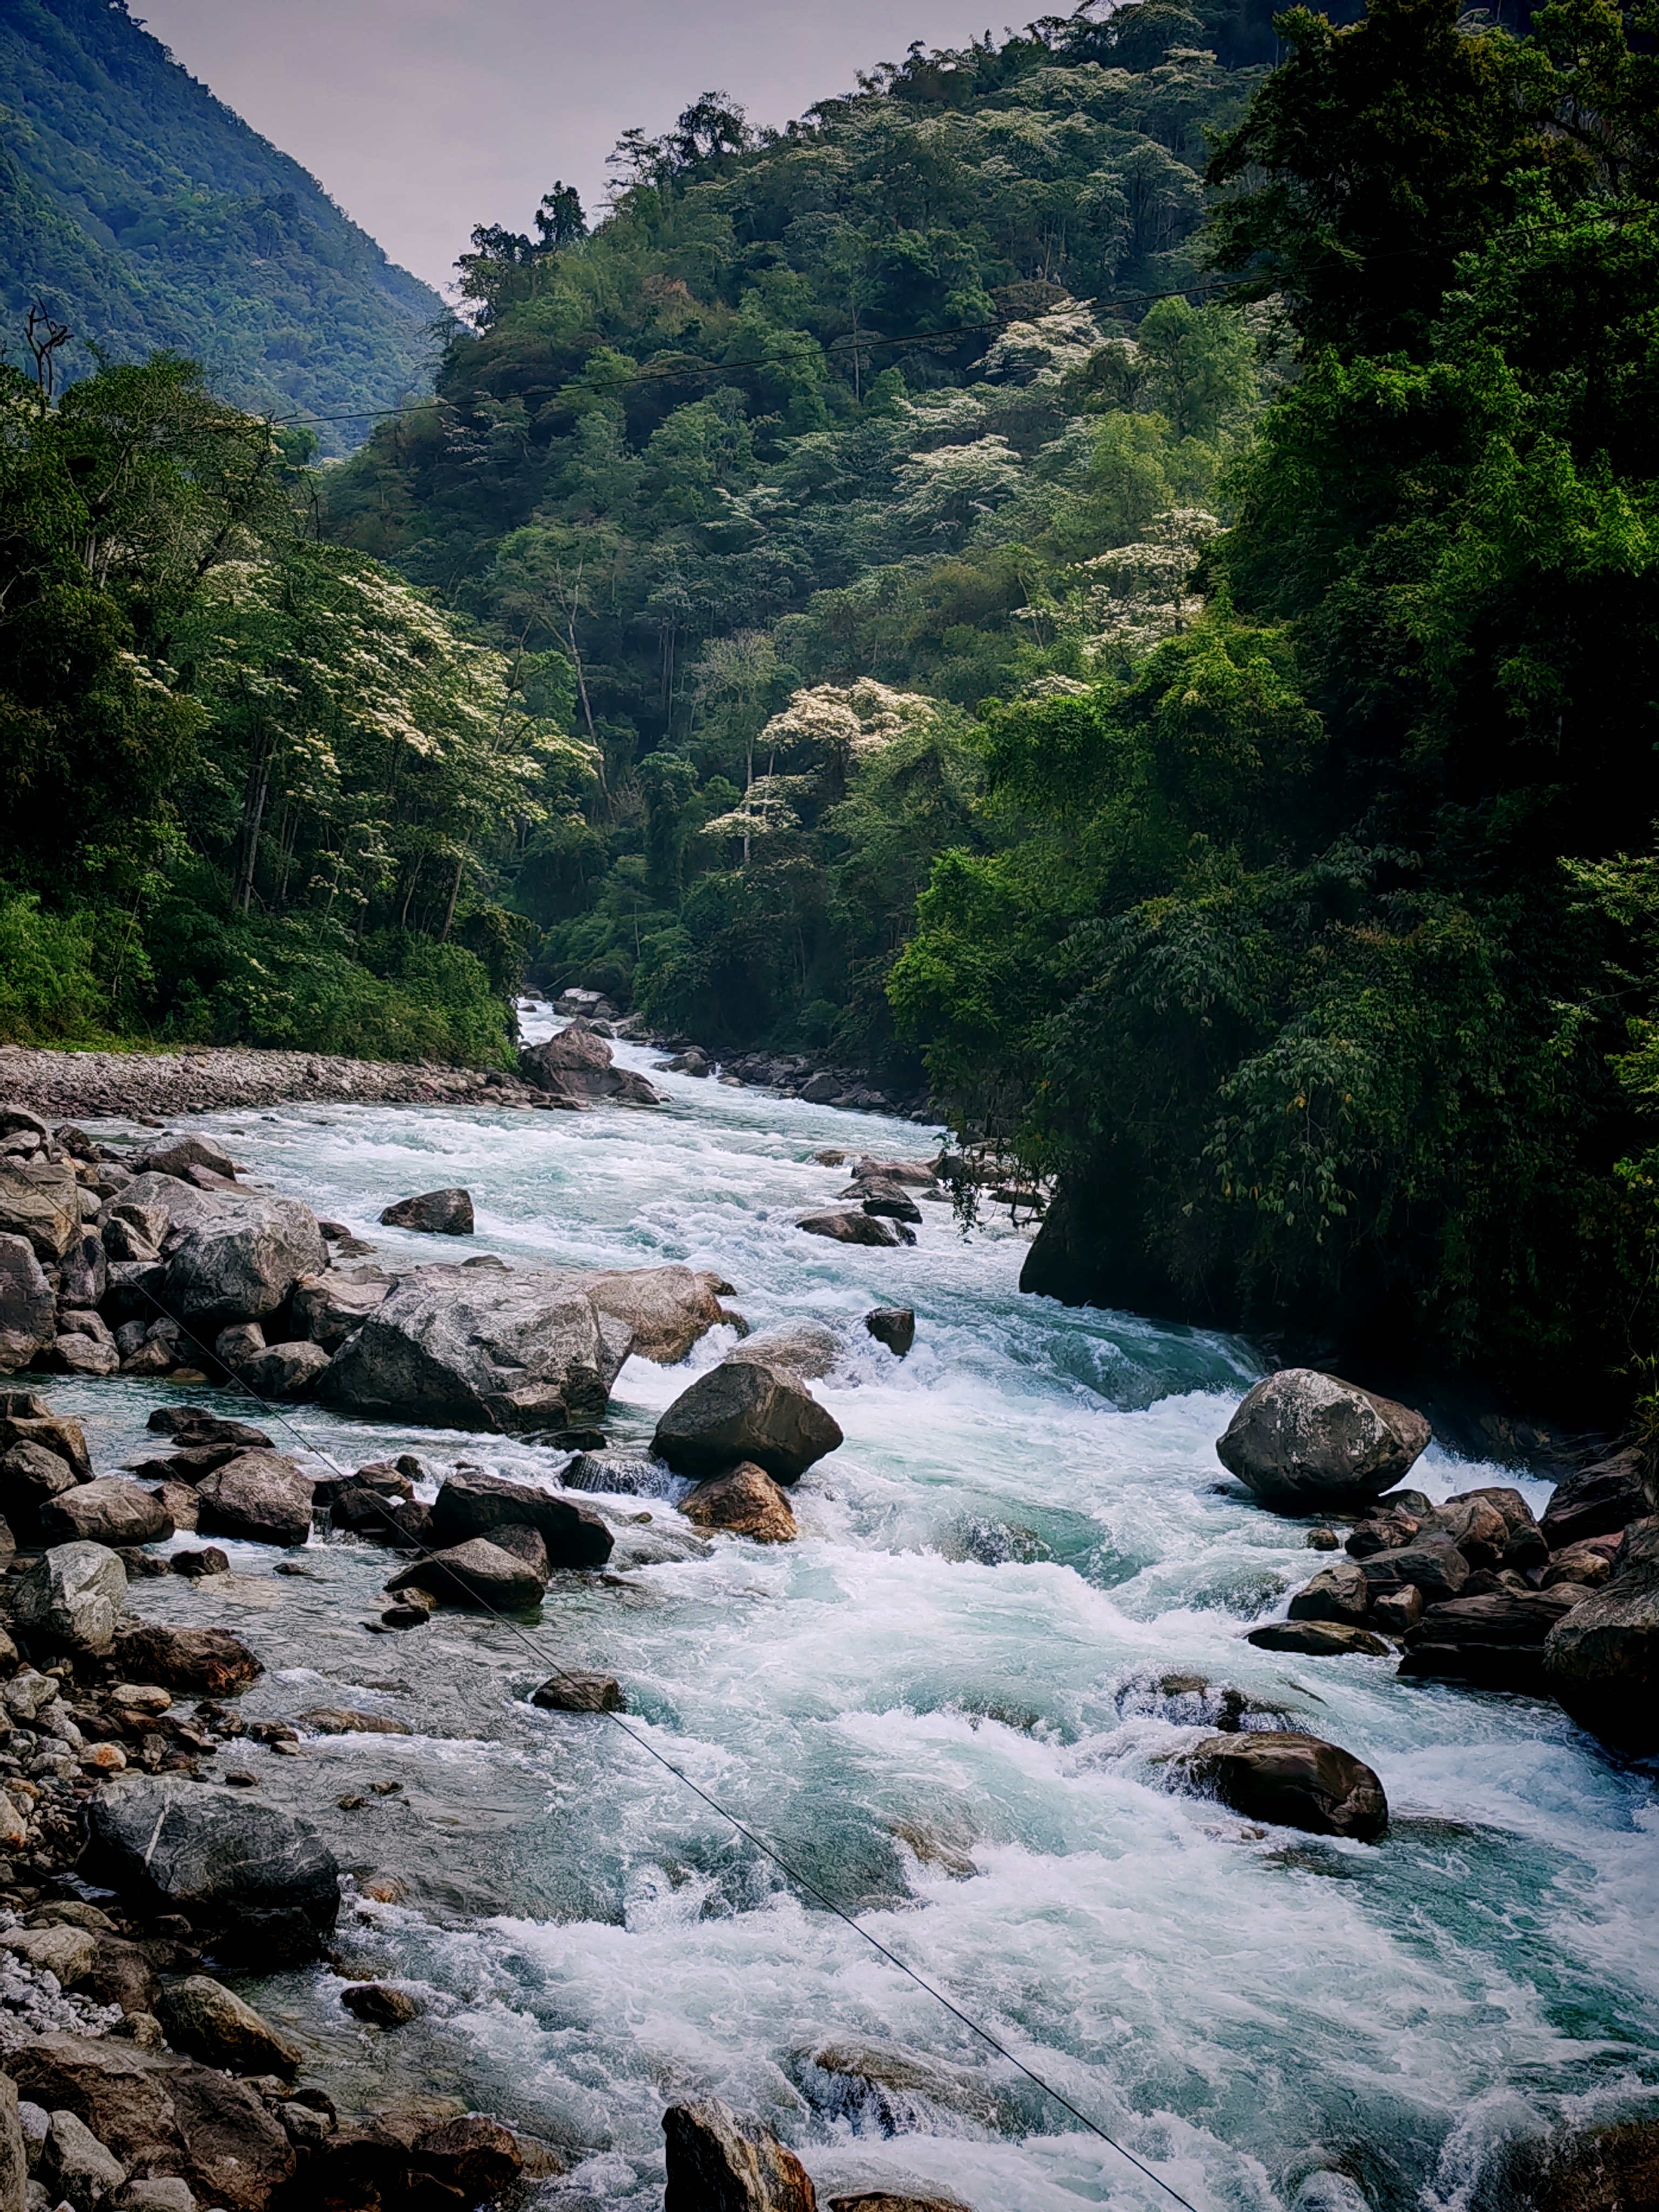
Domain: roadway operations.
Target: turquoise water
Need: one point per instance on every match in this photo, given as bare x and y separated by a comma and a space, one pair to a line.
942, 1704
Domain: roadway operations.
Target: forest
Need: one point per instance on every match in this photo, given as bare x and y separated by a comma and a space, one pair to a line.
1114, 566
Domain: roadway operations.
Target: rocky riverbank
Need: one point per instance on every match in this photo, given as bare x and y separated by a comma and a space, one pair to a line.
156, 1086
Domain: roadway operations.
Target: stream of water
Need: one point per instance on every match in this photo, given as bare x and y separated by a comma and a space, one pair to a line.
953, 1703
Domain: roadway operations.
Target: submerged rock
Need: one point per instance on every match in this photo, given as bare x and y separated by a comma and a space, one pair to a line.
1601, 1659
382, 2006
745, 1503
1613, 2168
719, 2162
1292, 1781
211, 1661
855, 1229
575, 1692
741, 1412
439, 1212
1303, 1441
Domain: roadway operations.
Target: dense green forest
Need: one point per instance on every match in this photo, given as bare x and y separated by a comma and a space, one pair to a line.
144, 216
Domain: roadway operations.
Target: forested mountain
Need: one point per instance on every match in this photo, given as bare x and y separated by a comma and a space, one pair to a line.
145, 216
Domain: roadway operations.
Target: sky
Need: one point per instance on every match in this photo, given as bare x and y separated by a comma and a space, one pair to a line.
423, 117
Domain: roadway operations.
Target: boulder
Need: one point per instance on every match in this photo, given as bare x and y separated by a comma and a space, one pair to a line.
13, 2150
480, 1504
1602, 1500
210, 1662
476, 1573
1494, 1642
234, 1346
328, 1307
1316, 1638
1589, 1561
83, 1273
30, 1475
668, 1309
890, 1201
181, 1153
745, 1503
109, 1511
41, 1203
242, 1263
77, 1351
73, 1597
383, 2007
804, 1347
17, 1120
1303, 1441
27, 1418
743, 1411
133, 1234
260, 1495
1292, 1781
1338, 1593
78, 2166
1394, 1611
346, 1720
194, 1565
576, 1691
475, 1348
205, 2019
68, 1953
285, 1370
1601, 1659
476, 2157
893, 1326
854, 1229
718, 2162
122, 1975
439, 1212
216, 1854
575, 1068
190, 1428
1431, 1563
1610, 2168
28, 1311
883, 2200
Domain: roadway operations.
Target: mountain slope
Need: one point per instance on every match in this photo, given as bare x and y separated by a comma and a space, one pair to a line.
146, 214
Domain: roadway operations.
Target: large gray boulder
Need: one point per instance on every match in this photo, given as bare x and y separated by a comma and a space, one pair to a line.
200, 1849
575, 1068
28, 1310
41, 1202
668, 1309
478, 1573
261, 1496
479, 1504
804, 1347
719, 2162
1601, 1659
1293, 1781
743, 1411
327, 1308
163, 1207
180, 1154
242, 1264
481, 1348
84, 1272
1304, 1442
110, 1511
73, 1597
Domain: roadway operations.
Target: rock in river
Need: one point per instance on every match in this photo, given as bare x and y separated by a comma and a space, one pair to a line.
477, 1504
1494, 1643
242, 1264
1316, 1638
211, 1852
1303, 1441
211, 2023
260, 1495
668, 1309
804, 1347
210, 1662
108, 1511
575, 1068
739, 1412
481, 1348
855, 1229
328, 1307
28, 1311
575, 1692
745, 1503
1293, 1781
439, 1212
1601, 1659
893, 1326
477, 1573
1600, 1502
73, 1597
284, 1371
1338, 1593
718, 2162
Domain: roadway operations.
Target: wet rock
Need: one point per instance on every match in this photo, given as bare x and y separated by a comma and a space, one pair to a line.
479, 1504
207, 2020
883, 2200
182, 1153
242, 1264
716, 2160
1589, 1561
42, 1203
476, 2156
574, 1691
1494, 1643
261, 1496
1397, 1610
72, 1598
900, 2090
628, 1473
1292, 1781
1600, 1502
30, 1477
439, 1212
1317, 1638
211, 1661
285, 1370
26, 1417
327, 1308
1338, 1593
1303, 1441
1433, 1563
191, 1429
893, 1326
76, 2166
743, 1411
844, 1228
28, 1311
1613, 2168
476, 1573
889, 1201
1601, 1660
75, 1352
473, 1348
384, 2006
668, 1309
804, 1347
210, 1852
346, 1720
365, 1512
576, 1068
196, 1564
107, 1512
745, 1503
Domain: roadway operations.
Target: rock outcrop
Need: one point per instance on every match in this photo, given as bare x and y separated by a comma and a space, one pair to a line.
327, 1308
718, 2162
1601, 1660
1292, 1781
739, 1412
1600, 1502
575, 1068
1303, 1442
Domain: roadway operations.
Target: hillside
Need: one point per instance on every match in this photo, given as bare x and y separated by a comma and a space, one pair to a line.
146, 215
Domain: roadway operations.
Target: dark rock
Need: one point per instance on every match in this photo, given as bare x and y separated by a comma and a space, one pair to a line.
739, 1412
207, 2020
1317, 1638
1381, 1532
72, 1598
212, 1853
575, 1692
41, 1203
173, 1159
523, 1543
26, 1417
30, 1476
439, 1212
189, 1466
1338, 1593
80, 2171
108, 1511
480, 1504
854, 1229
1589, 1561
745, 1503
1397, 1610
1292, 1781
1611, 2168
1602, 1500
189, 1427
211, 1661
210, 1560
242, 1264
1601, 1660
345, 1720
327, 1308
84, 1272
1494, 1643
472, 1348
718, 2162
476, 1573
888, 1202
475, 2156
384, 2006
120, 1974
883, 2200
261, 1496
365, 1512
28, 1310
1431, 1563
893, 1326
1303, 1441
285, 1370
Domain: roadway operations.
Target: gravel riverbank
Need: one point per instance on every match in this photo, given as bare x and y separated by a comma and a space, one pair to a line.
94, 1084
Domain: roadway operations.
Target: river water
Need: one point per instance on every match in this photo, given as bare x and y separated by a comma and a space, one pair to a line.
951, 1704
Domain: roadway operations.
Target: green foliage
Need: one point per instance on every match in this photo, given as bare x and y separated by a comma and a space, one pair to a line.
50, 990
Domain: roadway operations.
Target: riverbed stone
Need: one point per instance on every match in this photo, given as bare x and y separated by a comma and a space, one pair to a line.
1292, 1780
382, 2006
208, 2021
739, 1411
285, 1370
210, 1662
346, 1720
1601, 1659
668, 1309
1303, 1442
109, 1511
718, 2160
68, 1953
30, 1476
72, 1597
745, 1503
1338, 1593
578, 1691
893, 1326
847, 1228
481, 1349
438, 1213
1317, 1638
28, 1417
1431, 1562
261, 1496
1598, 1502
327, 1308
210, 1851
1397, 1610
808, 1348
242, 1263
41, 1202
76, 2166
28, 1310
83, 1272
476, 1573
1494, 1642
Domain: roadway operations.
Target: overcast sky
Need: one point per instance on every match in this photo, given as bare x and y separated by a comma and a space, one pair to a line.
424, 117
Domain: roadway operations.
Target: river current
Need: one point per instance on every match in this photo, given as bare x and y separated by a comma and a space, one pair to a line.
1021, 1585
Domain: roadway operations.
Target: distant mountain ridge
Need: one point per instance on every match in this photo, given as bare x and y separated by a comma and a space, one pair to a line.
145, 213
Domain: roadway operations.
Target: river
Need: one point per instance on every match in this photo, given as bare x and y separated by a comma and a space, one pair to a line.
951, 1703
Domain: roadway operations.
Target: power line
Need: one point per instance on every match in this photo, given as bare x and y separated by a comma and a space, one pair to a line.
768, 1851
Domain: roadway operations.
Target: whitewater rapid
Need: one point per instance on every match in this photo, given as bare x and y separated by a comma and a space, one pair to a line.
943, 1704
